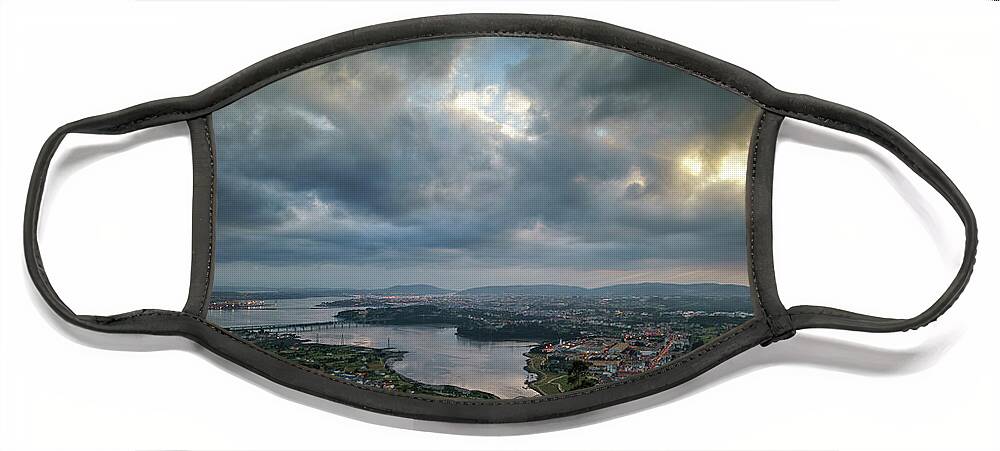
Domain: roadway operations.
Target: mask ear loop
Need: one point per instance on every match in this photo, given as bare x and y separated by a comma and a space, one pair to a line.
150, 321
852, 121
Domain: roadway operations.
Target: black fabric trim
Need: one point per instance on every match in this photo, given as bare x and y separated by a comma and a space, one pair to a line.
760, 330
842, 118
202, 216
760, 178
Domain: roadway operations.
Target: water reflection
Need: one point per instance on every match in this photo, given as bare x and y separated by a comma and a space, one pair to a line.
435, 355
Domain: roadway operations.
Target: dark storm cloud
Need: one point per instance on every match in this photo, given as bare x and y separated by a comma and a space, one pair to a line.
550, 154
595, 85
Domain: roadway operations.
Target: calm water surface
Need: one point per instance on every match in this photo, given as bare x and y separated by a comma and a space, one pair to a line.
435, 355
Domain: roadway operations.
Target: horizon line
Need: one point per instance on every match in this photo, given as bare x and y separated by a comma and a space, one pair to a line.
236, 288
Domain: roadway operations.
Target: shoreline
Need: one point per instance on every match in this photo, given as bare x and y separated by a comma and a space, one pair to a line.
366, 366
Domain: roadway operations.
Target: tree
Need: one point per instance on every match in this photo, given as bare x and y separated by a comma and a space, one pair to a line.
577, 370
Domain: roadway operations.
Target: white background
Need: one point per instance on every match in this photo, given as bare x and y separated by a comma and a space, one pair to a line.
853, 229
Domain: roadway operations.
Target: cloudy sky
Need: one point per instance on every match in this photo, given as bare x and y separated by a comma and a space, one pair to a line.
482, 161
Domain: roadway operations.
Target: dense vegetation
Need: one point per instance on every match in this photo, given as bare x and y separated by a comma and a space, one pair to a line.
470, 323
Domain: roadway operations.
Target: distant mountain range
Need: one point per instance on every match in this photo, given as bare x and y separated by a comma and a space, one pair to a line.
537, 290
630, 289
414, 290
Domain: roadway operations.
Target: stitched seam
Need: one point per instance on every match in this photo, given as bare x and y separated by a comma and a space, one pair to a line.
753, 225
753, 222
686, 359
211, 219
827, 312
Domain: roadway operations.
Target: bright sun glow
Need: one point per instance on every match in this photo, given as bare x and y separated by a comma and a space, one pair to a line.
692, 164
733, 167
511, 116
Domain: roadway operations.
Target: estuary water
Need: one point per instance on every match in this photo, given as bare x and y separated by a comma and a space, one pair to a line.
434, 355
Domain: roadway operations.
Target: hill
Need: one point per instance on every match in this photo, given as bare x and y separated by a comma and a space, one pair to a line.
410, 290
631, 289
527, 290
672, 289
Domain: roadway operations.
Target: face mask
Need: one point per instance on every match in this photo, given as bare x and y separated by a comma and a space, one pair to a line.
486, 218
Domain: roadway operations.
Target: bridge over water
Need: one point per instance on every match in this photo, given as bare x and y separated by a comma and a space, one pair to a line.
297, 327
